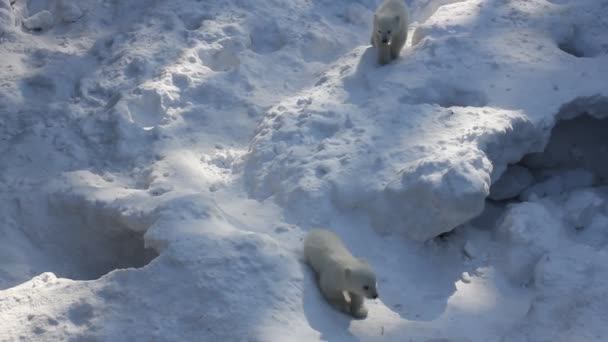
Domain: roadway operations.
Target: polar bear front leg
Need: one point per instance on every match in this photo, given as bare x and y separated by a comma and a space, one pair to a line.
397, 44
384, 53
334, 296
357, 309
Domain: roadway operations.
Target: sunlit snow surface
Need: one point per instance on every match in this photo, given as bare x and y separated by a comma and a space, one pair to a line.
162, 161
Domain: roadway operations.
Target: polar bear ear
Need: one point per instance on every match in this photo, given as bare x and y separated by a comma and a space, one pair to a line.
364, 261
347, 272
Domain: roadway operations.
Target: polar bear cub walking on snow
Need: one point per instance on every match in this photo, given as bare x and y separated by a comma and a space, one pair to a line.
389, 34
339, 274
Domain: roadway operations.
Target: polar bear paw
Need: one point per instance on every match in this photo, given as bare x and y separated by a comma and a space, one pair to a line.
360, 312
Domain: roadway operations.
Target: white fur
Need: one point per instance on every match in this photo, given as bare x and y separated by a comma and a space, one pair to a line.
339, 274
389, 33
42, 21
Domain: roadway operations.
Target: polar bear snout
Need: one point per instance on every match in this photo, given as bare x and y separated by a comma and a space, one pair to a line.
372, 294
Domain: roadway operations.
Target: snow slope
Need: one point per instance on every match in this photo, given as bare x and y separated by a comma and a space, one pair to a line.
162, 161
421, 142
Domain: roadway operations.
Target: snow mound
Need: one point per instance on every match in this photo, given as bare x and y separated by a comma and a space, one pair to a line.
530, 230
124, 138
419, 152
558, 245
198, 246
70, 11
222, 298
570, 304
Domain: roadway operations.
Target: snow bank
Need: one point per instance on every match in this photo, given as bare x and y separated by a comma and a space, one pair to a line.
418, 143
198, 298
124, 139
120, 124
530, 230
7, 19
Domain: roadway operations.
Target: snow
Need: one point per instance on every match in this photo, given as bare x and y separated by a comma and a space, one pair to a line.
70, 12
530, 231
162, 161
511, 183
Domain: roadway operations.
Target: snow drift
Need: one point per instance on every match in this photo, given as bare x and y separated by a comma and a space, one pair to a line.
418, 144
161, 161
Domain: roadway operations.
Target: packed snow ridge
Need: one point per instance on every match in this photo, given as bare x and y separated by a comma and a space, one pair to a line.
418, 145
162, 161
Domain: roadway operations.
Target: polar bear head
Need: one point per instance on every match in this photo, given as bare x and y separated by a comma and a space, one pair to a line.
386, 27
361, 279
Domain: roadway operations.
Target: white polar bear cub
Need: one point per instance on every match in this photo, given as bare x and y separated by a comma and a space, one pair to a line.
338, 272
389, 34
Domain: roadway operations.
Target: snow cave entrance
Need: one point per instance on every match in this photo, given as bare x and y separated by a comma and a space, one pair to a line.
576, 156
95, 243
555, 198
570, 175
76, 240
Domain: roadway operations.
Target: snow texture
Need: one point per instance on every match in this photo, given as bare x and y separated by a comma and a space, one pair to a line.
162, 161
512, 182
415, 145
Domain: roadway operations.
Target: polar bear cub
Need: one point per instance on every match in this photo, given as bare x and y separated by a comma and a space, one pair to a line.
339, 274
391, 21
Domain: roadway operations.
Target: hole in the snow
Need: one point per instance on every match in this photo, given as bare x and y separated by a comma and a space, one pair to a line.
73, 238
572, 47
574, 159
576, 156
267, 37
579, 143
97, 241
582, 42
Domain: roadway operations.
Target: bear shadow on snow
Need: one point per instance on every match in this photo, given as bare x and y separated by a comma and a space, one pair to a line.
322, 317
360, 84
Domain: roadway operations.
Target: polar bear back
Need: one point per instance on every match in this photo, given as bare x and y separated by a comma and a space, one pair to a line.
324, 249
